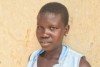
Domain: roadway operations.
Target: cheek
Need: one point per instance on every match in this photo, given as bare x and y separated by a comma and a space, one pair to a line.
58, 36
37, 34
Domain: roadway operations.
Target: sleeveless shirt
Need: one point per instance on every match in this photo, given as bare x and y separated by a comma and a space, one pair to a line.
68, 58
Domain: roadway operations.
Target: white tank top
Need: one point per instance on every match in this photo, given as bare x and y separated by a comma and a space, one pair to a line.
68, 58
35, 64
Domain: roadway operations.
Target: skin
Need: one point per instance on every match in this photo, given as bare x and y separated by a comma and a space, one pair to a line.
84, 63
50, 32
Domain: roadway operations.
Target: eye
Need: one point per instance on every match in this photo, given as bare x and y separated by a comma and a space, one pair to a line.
39, 28
53, 28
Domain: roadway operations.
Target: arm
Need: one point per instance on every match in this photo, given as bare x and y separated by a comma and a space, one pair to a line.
84, 63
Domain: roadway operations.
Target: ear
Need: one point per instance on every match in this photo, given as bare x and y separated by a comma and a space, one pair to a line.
67, 27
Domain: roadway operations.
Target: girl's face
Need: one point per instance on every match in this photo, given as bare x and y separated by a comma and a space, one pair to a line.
50, 30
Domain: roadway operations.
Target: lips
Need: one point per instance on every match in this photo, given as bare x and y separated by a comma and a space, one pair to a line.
45, 43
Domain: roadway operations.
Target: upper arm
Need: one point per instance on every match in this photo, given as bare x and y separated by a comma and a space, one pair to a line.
84, 63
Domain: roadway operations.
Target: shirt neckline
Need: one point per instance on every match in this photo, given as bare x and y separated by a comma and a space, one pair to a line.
62, 55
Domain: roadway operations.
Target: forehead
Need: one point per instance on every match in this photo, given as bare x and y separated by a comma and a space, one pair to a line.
49, 18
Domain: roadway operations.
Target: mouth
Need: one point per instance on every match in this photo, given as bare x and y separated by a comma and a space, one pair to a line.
45, 43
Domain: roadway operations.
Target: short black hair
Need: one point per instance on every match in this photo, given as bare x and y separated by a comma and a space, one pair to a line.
56, 8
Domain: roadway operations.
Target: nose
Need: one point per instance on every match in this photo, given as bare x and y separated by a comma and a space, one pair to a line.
46, 33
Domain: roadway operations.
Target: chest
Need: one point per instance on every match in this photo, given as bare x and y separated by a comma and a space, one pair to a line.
46, 62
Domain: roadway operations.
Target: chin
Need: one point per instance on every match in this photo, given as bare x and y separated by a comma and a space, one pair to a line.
46, 48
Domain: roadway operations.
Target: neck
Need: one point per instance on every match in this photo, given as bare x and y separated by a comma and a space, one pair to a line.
54, 54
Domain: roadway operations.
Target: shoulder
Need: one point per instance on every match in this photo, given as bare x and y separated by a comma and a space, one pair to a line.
74, 53
82, 60
84, 63
35, 54
78, 59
